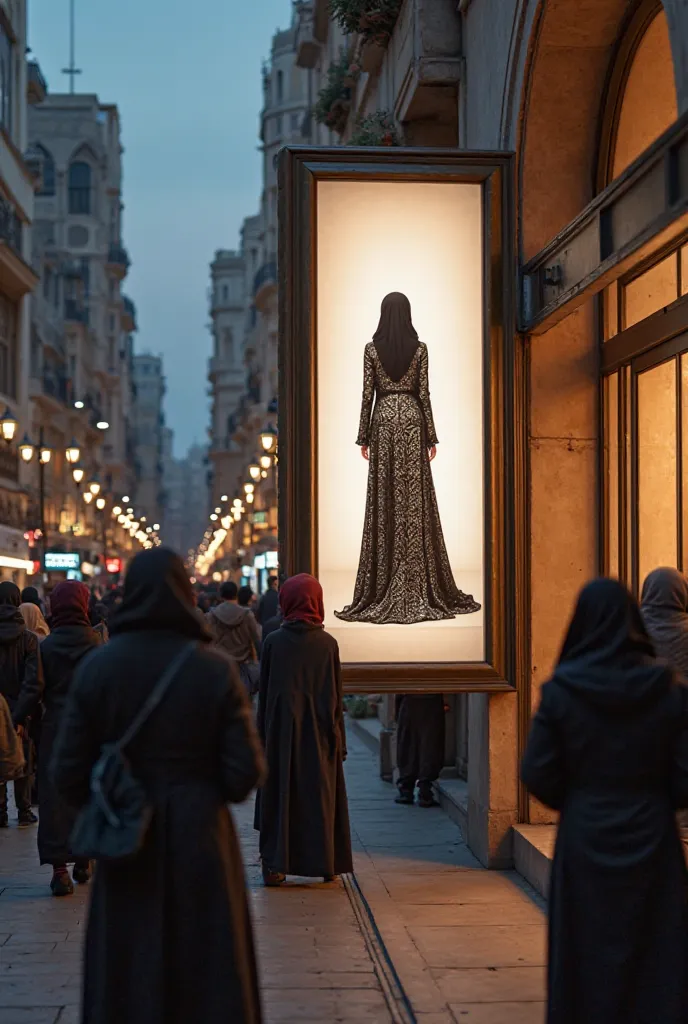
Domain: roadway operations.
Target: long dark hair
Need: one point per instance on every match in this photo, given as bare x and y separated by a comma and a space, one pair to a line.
396, 339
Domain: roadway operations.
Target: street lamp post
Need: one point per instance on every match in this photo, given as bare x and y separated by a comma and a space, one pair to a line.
44, 452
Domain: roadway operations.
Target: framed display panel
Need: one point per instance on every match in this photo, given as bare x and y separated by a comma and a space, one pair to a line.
397, 343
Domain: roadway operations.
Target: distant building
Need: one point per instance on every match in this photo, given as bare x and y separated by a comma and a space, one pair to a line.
149, 436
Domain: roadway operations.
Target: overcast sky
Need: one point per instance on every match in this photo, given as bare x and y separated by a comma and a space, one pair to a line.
186, 78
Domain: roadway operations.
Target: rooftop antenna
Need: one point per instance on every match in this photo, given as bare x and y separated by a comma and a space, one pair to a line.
72, 70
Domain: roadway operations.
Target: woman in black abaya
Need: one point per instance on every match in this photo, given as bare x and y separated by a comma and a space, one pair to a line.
609, 750
169, 937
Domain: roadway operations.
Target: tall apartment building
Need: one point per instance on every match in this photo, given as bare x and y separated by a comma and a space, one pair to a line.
22, 83
244, 386
82, 325
149, 436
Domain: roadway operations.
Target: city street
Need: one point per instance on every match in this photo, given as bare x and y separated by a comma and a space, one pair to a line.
420, 933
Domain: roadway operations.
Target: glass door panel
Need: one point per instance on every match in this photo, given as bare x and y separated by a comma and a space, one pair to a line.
611, 472
657, 468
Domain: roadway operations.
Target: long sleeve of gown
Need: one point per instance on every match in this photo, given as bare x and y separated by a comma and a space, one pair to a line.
367, 398
542, 768
424, 398
243, 764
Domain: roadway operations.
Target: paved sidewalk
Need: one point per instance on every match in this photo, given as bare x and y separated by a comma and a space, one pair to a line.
467, 945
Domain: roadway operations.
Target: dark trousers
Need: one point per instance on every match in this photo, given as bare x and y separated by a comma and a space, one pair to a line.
420, 741
22, 795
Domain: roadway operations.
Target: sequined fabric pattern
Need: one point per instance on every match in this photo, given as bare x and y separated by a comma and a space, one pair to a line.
404, 574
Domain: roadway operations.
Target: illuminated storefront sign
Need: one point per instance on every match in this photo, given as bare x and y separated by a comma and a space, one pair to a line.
113, 565
61, 561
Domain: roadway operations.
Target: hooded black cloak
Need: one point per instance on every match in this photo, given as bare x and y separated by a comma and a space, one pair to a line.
169, 937
664, 609
609, 749
21, 676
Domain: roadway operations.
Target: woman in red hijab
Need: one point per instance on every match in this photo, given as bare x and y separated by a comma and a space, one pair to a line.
71, 639
301, 811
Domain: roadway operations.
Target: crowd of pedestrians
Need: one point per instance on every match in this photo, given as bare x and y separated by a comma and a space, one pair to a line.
138, 716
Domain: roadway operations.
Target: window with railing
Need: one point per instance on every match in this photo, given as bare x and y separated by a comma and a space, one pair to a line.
8, 347
80, 187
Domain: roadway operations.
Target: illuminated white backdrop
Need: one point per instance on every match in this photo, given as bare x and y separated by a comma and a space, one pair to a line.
423, 239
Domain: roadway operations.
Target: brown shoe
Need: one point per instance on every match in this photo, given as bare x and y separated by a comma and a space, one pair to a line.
272, 878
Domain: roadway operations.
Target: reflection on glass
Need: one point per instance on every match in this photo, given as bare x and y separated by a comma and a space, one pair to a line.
657, 444
684, 456
611, 471
627, 477
651, 291
684, 270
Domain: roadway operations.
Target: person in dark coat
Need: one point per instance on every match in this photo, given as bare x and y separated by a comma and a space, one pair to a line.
301, 811
71, 639
420, 746
664, 607
269, 602
270, 626
21, 684
608, 749
30, 595
169, 937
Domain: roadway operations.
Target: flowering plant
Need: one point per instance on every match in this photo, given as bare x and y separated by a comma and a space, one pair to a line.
378, 129
372, 19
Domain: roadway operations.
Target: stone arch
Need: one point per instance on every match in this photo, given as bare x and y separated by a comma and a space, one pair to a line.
559, 73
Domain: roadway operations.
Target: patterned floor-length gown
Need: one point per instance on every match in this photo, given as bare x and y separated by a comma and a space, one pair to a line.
404, 574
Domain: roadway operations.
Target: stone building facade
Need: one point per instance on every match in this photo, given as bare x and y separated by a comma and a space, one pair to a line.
591, 97
22, 85
149, 437
81, 322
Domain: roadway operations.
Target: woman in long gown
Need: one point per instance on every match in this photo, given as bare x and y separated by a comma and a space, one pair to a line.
404, 574
301, 811
169, 938
608, 749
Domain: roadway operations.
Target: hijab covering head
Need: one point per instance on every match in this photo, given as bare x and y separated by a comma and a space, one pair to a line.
10, 594
158, 596
33, 617
664, 607
608, 656
30, 595
396, 340
69, 605
301, 600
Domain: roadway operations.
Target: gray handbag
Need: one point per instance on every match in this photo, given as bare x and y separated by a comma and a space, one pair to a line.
113, 824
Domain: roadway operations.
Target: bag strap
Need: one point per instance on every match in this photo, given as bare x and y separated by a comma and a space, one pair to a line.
156, 695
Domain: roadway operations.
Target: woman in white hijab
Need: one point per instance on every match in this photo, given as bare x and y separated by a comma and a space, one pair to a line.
33, 617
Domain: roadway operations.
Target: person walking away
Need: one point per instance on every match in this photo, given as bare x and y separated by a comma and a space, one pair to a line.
71, 639
30, 595
608, 749
12, 763
268, 605
301, 811
246, 599
235, 631
169, 936
21, 684
420, 746
664, 607
33, 617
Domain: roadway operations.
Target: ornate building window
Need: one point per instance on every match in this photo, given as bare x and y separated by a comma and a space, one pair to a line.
8, 347
80, 187
47, 172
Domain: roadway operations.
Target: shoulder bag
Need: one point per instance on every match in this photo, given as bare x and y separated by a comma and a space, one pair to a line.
113, 824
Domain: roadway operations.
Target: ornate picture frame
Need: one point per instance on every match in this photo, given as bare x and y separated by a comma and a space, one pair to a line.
503, 400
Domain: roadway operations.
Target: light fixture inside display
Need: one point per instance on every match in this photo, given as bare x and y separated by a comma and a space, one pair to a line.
26, 449
73, 453
78, 474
